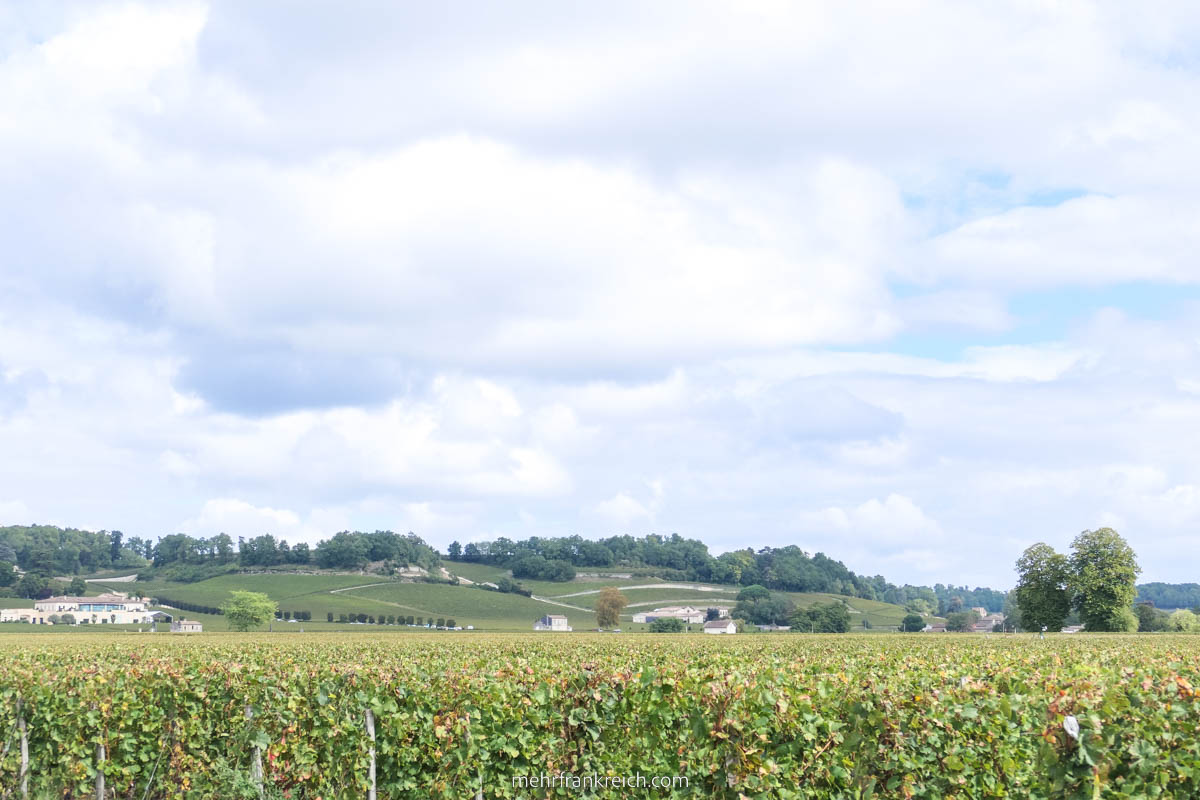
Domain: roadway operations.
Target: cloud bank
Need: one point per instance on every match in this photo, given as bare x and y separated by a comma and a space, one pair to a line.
907, 286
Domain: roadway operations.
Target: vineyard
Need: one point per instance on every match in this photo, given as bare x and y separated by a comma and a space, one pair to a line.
330, 716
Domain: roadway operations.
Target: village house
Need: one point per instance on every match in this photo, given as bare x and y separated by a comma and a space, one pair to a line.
720, 626
552, 622
186, 626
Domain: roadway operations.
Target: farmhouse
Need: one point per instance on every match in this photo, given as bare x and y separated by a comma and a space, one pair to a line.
186, 626
552, 622
720, 626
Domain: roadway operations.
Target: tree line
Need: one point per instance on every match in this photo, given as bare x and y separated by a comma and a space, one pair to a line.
183, 605
674, 557
44, 551
393, 619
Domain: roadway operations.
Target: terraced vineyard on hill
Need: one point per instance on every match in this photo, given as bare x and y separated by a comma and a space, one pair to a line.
475, 715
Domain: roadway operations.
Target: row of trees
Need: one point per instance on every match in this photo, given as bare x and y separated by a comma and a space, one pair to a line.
392, 619
246, 610
782, 569
1097, 580
344, 550
49, 550
183, 605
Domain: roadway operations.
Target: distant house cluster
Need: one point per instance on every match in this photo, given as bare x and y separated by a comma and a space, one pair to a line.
986, 623
105, 609
686, 614
552, 622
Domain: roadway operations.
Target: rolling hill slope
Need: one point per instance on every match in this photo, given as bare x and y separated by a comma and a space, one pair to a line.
337, 594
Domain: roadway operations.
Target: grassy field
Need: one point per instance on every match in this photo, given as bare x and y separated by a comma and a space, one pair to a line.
646, 599
322, 594
466, 604
466, 714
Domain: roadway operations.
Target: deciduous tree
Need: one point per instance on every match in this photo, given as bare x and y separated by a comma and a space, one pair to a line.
246, 610
1043, 594
608, 607
1103, 580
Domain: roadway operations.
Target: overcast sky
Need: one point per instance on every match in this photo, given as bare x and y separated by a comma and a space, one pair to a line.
915, 285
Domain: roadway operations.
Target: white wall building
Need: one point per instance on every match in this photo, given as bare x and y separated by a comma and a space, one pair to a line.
552, 622
687, 614
720, 626
105, 609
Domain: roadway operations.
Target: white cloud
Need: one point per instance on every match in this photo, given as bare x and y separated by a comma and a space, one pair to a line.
596, 254
622, 509
239, 518
14, 512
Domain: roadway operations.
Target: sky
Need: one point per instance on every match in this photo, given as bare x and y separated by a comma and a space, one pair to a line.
913, 285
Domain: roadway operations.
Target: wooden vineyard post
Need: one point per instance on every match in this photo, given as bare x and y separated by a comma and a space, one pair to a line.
371, 736
256, 772
24, 778
99, 772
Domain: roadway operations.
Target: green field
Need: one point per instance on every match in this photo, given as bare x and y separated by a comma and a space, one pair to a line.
647, 599
467, 605
324, 593
473, 714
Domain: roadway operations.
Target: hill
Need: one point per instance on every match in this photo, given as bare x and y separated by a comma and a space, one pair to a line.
466, 603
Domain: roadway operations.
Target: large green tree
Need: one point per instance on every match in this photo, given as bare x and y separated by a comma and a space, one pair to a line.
1103, 580
246, 610
1043, 588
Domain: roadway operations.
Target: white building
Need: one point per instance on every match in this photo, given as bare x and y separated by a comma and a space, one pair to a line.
186, 626
17, 614
104, 609
720, 626
687, 614
552, 622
